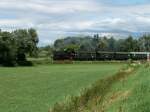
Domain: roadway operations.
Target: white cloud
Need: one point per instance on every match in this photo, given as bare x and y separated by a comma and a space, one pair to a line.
50, 6
59, 17
145, 20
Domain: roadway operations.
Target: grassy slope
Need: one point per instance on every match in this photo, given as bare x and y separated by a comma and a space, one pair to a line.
34, 89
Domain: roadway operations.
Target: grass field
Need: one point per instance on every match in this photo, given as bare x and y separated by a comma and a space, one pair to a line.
35, 89
131, 94
126, 91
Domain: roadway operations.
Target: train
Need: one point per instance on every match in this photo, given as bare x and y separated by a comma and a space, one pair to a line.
100, 56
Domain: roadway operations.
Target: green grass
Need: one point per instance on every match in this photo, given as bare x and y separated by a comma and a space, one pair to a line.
126, 91
138, 88
94, 95
129, 93
35, 89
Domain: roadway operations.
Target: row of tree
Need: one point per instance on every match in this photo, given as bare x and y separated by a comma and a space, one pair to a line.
15, 45
96, 43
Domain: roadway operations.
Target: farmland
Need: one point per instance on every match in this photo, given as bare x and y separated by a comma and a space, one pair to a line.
37, 88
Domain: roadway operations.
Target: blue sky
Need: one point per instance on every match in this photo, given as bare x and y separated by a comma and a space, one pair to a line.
58, 18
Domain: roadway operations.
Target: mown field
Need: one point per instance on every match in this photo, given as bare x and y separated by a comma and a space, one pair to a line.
36, 89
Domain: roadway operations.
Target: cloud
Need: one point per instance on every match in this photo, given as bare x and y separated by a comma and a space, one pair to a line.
51, 7
56, 18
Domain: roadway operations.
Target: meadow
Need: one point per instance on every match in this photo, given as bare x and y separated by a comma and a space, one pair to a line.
37, 88
126, 91
131, 94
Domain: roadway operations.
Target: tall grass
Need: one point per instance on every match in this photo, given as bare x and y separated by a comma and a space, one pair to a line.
131, 94
139, 101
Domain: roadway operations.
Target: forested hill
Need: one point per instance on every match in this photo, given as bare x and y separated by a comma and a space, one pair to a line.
91, 44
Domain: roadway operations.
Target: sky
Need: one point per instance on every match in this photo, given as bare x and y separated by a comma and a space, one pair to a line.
55, 19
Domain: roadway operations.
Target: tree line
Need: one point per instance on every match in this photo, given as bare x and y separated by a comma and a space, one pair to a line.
16, 45
97, 43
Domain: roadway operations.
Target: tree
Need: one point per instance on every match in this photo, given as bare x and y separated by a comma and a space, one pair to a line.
14, 46
129, 44
7, 49
33, 42
103, 44
96, 42
144, 43
59, 44
26, 43
111, 44
71, 48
